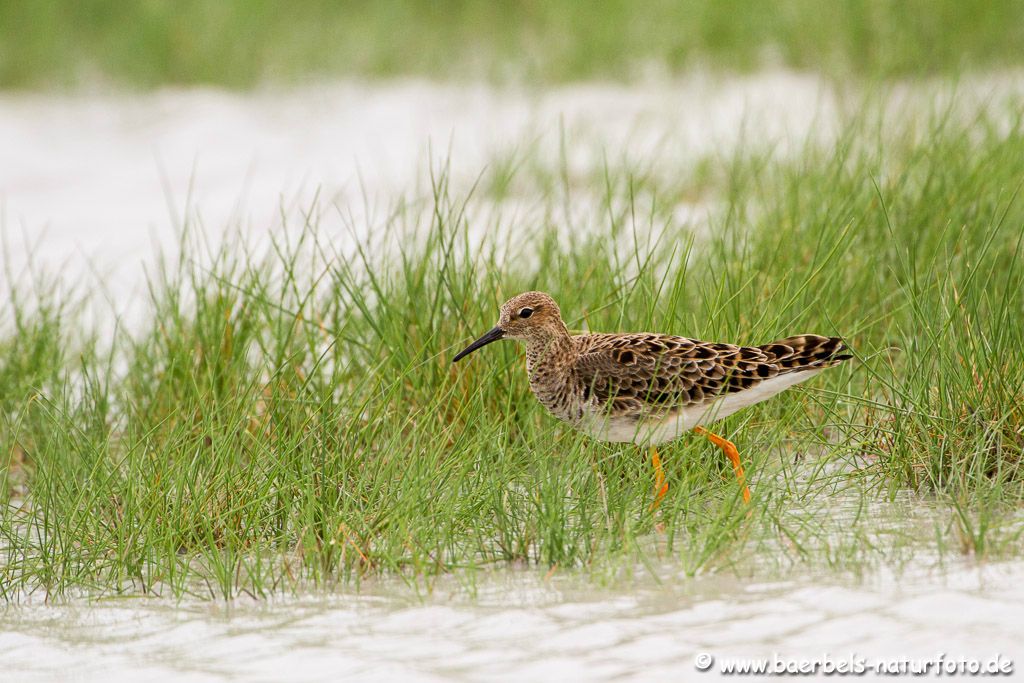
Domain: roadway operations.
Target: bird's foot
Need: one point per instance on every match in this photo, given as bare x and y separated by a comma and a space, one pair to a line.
660, 485
729, 448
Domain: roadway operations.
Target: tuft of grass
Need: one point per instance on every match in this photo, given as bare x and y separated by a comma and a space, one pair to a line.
240, 43
289, 417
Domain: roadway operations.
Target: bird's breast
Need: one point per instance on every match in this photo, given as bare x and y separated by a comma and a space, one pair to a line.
560, 396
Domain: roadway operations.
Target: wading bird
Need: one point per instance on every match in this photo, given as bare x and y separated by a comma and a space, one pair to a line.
648, 388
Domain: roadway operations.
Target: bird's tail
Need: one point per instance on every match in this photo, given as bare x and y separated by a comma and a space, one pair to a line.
806, 352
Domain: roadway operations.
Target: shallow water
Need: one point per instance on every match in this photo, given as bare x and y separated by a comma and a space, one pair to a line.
104, 175
523, 627
94, 183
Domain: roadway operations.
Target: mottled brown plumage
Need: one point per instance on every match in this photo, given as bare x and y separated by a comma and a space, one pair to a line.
649, 388
651, 373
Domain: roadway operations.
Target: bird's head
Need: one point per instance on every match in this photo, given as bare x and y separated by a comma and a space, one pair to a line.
530, 316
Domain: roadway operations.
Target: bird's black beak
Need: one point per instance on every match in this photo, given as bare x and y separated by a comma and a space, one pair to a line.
492, 335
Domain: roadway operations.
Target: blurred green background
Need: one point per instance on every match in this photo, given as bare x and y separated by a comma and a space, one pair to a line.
240, 43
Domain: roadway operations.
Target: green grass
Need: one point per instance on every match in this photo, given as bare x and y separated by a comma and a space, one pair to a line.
242, 43
290, 419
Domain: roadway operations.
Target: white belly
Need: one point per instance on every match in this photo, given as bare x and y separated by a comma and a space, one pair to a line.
670, 427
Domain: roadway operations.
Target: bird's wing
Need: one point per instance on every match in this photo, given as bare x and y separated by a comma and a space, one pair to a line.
643, 373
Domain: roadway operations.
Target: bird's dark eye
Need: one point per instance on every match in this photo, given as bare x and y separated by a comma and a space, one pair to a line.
525, 312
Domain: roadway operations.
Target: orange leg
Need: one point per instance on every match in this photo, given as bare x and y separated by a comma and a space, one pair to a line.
729, 448
660, 486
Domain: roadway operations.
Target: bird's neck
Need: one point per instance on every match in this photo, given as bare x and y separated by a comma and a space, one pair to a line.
549, 364
549, 353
